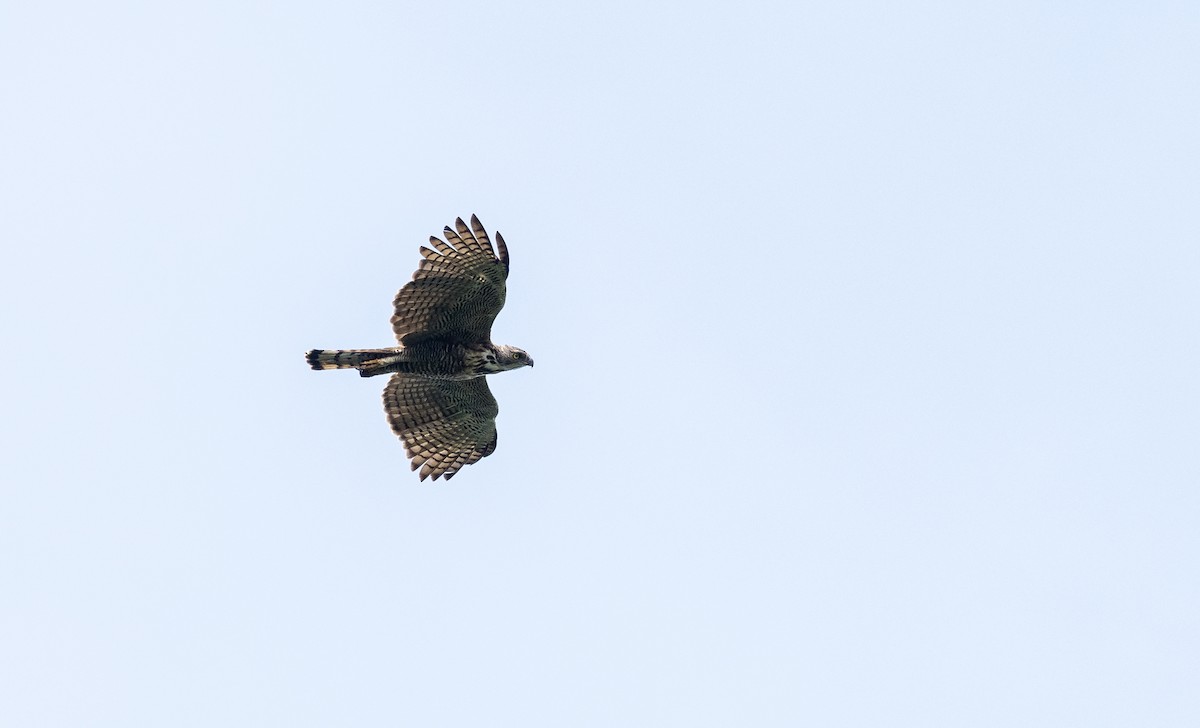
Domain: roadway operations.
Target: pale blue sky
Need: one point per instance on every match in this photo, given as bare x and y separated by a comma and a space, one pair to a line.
866, 388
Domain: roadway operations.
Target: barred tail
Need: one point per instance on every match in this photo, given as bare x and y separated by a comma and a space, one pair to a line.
368, 362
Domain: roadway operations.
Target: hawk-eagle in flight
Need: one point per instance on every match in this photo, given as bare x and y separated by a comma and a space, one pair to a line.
438, 400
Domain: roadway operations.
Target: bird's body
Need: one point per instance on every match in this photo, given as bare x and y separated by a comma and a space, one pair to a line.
437, 400
431, 358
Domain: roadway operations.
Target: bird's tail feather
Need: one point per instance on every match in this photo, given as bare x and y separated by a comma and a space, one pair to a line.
367, 361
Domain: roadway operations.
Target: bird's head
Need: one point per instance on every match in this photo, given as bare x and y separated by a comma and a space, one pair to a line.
510, 357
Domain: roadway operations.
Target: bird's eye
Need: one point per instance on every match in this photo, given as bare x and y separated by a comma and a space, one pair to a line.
520, 355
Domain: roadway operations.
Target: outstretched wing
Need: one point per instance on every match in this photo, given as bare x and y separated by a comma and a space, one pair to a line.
445, 424
457, 290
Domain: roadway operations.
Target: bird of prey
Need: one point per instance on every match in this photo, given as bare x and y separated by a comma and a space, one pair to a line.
438, 400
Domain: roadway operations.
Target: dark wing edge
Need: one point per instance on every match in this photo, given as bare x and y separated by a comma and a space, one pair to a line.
444, 424
458, 287
482, 236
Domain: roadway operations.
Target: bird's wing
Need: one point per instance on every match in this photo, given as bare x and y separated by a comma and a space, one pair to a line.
457, 290
445, 424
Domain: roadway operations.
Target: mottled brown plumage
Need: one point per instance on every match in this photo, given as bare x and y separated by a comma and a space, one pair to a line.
437, 400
